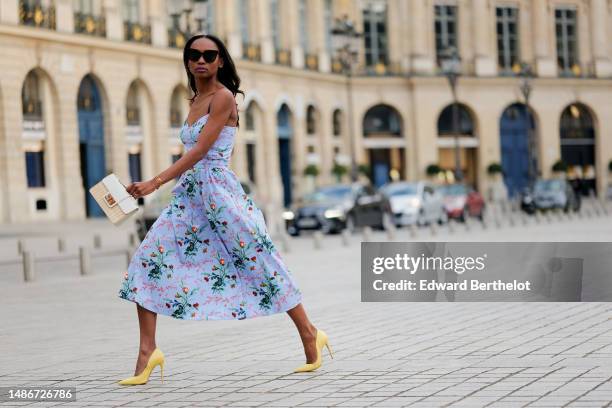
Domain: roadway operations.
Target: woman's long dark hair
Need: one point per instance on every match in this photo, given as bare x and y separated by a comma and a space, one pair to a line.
227, 74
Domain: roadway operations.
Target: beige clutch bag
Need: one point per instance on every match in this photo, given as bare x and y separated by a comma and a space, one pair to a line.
112, 196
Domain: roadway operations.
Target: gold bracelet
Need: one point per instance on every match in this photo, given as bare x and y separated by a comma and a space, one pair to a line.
161, 182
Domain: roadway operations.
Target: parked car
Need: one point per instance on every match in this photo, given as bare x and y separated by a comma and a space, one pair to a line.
555, 194
417, 203
335, 207
461, 201
158, 202
527, 202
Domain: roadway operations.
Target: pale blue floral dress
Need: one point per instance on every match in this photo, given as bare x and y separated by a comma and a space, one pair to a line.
209, 255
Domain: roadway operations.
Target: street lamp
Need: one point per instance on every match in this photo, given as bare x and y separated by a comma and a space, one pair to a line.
180, 8
525, 72
200, 12
346, 42
451, 67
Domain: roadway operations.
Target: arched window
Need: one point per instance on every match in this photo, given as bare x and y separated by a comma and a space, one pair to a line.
250, 117
382, 119
577, 123
283, 118
577, 133
32, 109
176, 113
465, 124
31, 102
87, 99
337, 122
132, 107
311, 120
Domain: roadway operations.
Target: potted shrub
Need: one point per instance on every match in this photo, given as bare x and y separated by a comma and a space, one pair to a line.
559, 168
311, 171
432, 171
494, 170
497, 189
339, 170
364, 170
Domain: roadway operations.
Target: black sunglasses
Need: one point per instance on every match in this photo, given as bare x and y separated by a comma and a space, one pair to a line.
209, 55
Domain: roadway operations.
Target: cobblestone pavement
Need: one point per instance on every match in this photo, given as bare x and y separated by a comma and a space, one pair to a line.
71, 330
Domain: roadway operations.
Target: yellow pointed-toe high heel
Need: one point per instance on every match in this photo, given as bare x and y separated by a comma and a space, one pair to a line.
157, 358
320, 341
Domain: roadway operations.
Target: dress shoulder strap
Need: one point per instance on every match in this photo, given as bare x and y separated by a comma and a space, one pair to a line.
237, 114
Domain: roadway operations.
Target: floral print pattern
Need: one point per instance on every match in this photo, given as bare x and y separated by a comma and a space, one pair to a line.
209, 255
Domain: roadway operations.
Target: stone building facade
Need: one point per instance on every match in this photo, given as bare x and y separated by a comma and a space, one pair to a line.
90, 87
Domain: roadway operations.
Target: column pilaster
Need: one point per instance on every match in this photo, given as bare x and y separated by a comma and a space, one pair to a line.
545, 65
600, 37
422, 61
484, 60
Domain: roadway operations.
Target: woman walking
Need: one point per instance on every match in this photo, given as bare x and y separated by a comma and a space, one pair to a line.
209, 255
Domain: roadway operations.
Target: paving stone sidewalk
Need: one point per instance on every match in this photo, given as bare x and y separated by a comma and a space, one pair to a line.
68, 330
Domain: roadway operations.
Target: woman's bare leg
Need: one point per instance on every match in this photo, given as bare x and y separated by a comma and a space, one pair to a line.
147, 321
308, 332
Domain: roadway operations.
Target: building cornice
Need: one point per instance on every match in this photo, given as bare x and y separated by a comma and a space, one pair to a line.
174, 55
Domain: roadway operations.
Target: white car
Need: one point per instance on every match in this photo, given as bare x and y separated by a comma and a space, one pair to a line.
417, 203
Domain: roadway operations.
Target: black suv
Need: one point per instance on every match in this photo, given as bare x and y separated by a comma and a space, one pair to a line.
335, 207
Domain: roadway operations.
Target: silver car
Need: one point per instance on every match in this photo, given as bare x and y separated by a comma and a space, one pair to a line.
555, 194
417, 203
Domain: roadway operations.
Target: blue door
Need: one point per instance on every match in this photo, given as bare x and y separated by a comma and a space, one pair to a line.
380, 161
381, 172
91, 140
514, 134
284, 150
285, 132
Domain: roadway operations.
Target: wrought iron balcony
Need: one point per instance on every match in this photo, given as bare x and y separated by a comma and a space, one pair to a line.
251, 52
574, 71
89, 24
283, 57
311, 61
176, 38
137, 32
381, 69
32, 13
505, 71
337, 66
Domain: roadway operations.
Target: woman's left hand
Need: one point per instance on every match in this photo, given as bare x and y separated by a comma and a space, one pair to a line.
141, 188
